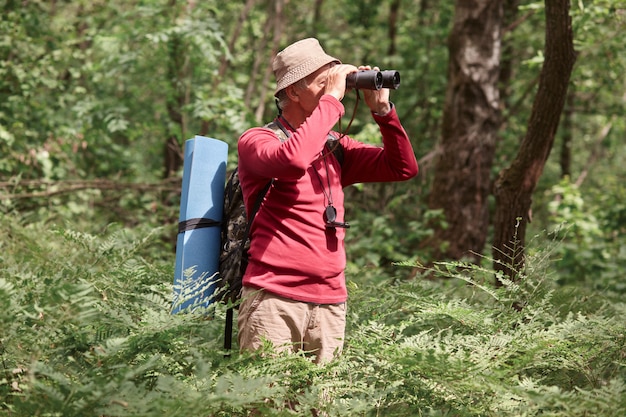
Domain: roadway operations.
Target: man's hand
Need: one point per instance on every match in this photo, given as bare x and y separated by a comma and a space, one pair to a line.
336, 80
376, 100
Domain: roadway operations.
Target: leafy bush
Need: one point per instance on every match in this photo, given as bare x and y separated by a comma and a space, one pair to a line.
87, 330
591, 228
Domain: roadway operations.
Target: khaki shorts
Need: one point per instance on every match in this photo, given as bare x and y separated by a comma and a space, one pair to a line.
291, 325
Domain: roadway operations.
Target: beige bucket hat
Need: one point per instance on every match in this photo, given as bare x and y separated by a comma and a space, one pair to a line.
298, 60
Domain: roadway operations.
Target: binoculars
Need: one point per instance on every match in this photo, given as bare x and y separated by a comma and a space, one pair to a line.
373, 80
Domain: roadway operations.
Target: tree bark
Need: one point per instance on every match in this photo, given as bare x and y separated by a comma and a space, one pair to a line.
596, 153
178, 72
515, 185
225, 62
243, 16
471, 118
567, 137
508, 61
317, 17
278, 26
394, 9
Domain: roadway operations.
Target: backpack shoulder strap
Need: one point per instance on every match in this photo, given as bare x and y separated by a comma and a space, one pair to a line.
257, 205
334, 144
279, 129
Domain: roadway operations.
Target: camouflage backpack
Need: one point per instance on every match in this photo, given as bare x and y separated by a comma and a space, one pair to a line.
235, 232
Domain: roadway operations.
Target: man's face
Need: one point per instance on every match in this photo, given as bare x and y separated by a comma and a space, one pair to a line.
315, 87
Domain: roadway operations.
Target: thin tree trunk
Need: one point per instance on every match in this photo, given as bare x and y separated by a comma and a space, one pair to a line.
178, 71
225, 62
278, 32
471, 118
596, 153
566, 144
424, 6
259, 61
515, 185
394, 9
243, 16
317, 17
508, 61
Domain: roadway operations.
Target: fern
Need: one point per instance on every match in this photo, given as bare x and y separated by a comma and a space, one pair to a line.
88, 330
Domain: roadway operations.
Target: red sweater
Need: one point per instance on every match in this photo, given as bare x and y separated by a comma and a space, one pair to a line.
292, 253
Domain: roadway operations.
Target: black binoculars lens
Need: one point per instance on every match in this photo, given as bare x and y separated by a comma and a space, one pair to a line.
373, 80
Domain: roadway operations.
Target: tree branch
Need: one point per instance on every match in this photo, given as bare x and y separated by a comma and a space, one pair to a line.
54, 188
596, 152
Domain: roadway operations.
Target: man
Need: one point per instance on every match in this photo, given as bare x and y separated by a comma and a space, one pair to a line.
294, 291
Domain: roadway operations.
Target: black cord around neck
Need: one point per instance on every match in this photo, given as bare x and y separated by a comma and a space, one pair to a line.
329, 195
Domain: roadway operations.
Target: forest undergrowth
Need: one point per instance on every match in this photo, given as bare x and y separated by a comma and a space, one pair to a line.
87, 331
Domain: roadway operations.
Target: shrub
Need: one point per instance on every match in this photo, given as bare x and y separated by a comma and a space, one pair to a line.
87, 330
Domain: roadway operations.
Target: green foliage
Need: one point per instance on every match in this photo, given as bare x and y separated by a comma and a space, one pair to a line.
87, 93
591, 229
395, 234
87, 330
94, 89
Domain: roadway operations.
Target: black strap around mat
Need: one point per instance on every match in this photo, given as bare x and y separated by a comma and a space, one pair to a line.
197, 223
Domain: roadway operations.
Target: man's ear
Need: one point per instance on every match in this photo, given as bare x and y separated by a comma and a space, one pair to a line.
292, 93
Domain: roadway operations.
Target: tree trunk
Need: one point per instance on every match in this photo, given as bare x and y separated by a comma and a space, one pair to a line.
278, 26
178, 74
317, 17
471, 119
205, 127
566, 144
394, 9
260, 61
243, 16
515, 185
509, 60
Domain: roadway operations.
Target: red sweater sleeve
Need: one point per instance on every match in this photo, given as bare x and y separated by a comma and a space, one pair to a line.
265, 156
393, 162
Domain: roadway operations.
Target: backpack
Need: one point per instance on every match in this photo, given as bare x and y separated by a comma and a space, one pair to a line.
236, 230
